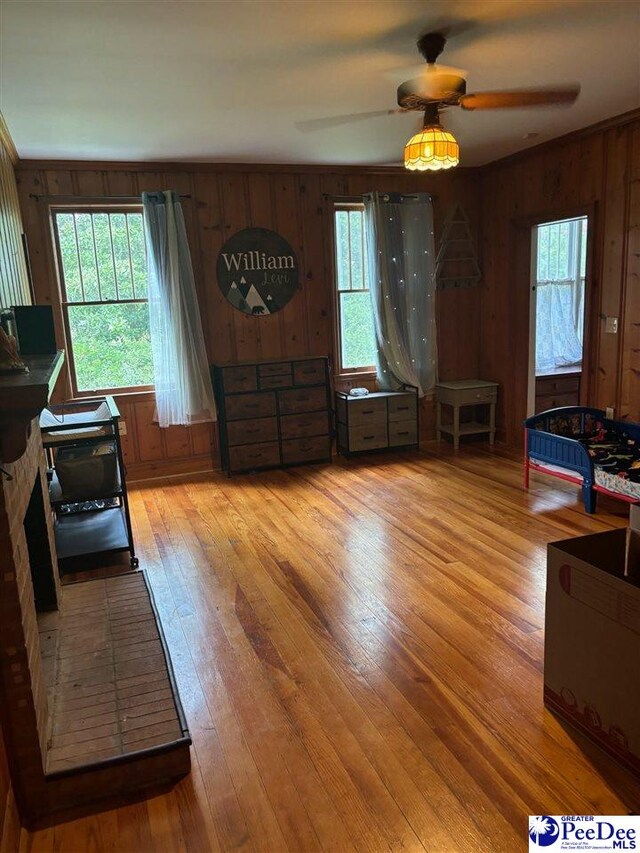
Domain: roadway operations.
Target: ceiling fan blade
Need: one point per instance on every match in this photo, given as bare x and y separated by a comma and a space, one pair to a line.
519, 98
335, 121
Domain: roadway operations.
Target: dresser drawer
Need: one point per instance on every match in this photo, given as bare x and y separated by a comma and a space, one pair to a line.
466, 396
274, 369
302, 400
254, 456
402, 408
368, 437
402, 432
365, 411
309, 372
239, 379
252, 431
250, 406
546, 385
555, 401
306, 449
299, 426
276, 380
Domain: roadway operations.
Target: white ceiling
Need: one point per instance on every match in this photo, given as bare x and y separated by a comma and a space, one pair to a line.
225, 81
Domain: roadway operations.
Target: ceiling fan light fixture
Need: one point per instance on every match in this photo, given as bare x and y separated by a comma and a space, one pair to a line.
431, 150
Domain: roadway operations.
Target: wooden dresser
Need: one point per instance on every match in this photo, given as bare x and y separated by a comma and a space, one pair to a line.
379, 420
273, 413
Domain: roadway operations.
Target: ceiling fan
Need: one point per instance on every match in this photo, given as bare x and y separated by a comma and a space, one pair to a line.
440, 87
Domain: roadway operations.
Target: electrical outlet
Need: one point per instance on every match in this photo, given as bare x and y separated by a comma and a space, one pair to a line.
122, 427
611, 325
609, 412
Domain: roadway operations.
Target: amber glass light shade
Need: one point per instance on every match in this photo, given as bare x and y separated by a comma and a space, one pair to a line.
432, 149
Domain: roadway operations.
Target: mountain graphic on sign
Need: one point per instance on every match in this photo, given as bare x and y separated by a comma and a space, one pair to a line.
255, 302
236, 298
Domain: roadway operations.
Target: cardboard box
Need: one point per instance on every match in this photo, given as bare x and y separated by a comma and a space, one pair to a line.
592, 642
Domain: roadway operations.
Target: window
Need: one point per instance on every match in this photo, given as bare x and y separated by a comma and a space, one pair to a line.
103, 284
560, 277
355, 332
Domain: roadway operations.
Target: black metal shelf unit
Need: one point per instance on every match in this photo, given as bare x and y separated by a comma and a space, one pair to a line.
87, 486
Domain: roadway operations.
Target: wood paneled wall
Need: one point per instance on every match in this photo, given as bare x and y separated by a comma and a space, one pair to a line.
14, 290
295, 202
596, 171
14, 281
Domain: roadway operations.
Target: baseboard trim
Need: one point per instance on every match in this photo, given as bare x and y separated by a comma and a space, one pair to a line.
160, 469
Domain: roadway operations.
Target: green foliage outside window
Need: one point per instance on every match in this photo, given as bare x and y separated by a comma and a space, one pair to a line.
103, 261
357, 333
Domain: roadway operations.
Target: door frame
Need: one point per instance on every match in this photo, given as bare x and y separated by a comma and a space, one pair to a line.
524, 242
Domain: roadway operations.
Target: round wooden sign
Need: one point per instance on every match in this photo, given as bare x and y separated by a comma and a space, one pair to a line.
257, 271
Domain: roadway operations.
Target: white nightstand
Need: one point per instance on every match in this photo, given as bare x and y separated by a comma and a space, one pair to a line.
466, 392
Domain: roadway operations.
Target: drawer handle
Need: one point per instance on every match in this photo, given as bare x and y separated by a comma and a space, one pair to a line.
367, 411
309, 372
404, 433
253, 431
303, 399
255, 455
402, 409
252, 405
304, 423
305, 447
368, 437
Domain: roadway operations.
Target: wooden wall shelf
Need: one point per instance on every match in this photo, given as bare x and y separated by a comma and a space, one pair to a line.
22, 397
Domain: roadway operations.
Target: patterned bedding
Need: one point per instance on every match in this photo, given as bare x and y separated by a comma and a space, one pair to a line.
615, 454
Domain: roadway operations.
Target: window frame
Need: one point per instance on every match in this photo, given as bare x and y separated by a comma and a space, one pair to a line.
365, 372
93, 208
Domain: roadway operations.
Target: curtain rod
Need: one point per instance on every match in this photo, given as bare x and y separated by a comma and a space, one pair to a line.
353, 199
126, 199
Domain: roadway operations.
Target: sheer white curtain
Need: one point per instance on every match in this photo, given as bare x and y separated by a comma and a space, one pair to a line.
401, 253
181, 373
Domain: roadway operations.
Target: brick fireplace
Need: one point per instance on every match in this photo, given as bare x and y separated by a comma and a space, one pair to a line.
22, 509
73, 743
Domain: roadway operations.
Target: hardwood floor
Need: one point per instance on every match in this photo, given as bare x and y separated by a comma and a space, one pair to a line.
358, 649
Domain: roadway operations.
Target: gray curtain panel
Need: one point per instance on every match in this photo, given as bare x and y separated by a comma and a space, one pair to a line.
181, 373
401, 253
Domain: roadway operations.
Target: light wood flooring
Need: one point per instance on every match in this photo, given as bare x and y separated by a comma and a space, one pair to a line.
358, 649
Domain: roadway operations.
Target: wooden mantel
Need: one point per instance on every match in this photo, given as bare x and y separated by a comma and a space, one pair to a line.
22, 397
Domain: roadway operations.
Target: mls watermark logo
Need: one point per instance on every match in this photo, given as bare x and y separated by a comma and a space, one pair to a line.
583, 832
543, 831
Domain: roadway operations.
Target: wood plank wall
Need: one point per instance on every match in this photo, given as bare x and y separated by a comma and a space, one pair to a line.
14, 290
14, 281
290, 200
597, 170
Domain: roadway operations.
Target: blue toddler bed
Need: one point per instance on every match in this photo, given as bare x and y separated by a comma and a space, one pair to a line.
582, 446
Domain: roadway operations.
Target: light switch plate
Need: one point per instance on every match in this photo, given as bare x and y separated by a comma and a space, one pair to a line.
122, 427
609, 412
611, 325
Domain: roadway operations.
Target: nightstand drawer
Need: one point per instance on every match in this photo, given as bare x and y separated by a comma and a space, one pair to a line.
254, 456
250, 406
402, 408
252, 431
368, 437
308, 372
402, 432
300, 426
302, 400
466, 396
239, 379
306, 449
